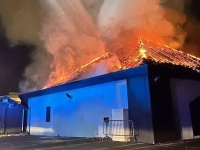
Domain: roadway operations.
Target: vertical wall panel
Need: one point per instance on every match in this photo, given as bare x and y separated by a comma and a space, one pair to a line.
140, 108
11, 115
13, 120
184, 92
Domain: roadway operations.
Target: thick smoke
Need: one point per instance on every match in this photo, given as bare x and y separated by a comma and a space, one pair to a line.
62, 31
149, 19
110, 65
22, 19
93, 7
70, 33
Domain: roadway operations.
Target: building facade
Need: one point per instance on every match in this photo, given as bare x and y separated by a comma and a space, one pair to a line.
151, 94
11, 116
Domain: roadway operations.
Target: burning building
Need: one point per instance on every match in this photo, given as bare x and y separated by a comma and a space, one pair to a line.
133, 55
158, 86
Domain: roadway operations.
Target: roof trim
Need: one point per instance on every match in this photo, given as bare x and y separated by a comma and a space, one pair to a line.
115, 76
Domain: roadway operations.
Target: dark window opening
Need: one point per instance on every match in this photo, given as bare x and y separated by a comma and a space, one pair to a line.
48, 113
195, 115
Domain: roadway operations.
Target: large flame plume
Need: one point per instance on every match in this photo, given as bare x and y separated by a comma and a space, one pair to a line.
119, 24
133, 56
69, 34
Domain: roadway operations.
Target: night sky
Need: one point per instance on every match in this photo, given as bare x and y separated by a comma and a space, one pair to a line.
14, 59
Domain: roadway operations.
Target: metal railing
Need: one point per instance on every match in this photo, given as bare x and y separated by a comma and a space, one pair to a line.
118, 128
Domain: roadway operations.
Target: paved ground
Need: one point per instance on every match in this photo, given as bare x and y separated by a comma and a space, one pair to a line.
58, 143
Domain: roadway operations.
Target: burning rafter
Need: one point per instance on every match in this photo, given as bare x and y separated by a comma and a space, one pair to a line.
135, 56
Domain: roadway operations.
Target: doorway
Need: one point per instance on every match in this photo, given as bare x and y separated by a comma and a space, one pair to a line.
195, 115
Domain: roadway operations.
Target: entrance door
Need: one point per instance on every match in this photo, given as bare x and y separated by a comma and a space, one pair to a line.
195, 115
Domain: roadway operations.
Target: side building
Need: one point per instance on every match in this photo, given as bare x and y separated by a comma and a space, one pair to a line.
153, 95
11, 116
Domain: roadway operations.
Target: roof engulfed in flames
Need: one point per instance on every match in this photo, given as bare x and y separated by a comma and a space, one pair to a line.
134, 56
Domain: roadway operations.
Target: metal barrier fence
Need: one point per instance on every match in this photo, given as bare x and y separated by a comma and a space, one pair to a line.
118, 128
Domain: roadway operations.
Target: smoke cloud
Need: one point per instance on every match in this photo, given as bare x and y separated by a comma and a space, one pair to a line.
69, 33
62, 31
22, 20
145, 18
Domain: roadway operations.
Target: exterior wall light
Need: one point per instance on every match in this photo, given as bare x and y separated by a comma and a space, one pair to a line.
69, 95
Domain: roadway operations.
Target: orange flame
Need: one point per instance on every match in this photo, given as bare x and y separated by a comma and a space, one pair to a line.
133, 56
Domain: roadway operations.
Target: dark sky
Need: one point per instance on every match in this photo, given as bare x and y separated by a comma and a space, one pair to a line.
195, 8
13, 60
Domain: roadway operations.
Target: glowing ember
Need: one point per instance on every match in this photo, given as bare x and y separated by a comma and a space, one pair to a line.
142, 50
134, 56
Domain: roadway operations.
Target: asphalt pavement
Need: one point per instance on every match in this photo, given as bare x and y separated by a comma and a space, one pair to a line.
65, 143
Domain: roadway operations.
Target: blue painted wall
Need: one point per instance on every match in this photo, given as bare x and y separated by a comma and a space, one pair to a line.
11, 116
115, 76
92, 99
183, 93
82, 114
140, 108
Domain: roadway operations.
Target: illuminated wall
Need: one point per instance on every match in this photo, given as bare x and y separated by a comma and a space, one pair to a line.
157, 104
184, 92
140, 108
79, 113
77, 109
11, 116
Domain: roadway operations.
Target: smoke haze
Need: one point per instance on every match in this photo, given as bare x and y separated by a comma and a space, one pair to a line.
67, 34
70, 36
149, 19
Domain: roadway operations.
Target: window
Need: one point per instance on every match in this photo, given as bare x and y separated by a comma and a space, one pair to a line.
4, 100
48, 113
